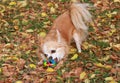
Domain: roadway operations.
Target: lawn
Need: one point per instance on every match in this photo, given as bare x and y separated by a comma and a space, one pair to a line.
22, 22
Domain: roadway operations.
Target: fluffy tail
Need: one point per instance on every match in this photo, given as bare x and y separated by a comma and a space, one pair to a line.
80, 16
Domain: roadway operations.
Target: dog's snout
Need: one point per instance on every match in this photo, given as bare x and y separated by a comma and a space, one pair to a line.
50, 57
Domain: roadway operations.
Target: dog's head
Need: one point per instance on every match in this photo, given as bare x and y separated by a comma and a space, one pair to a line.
55, 49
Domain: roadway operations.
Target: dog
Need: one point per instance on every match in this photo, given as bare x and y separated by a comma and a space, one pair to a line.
72, 24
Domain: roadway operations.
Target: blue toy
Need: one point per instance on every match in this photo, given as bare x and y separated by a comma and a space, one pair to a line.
49, 63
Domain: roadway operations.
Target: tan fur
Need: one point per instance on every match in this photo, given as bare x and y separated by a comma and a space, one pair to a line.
71, 24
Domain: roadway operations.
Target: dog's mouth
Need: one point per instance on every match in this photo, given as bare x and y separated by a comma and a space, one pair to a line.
55, 59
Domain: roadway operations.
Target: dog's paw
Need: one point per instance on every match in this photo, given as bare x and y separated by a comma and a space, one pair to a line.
59, 65
79, 50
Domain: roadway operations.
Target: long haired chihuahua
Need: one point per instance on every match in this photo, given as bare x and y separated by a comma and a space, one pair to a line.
69, 25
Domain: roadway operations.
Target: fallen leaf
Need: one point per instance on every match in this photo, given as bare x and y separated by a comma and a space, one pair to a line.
113, 81
50, 4
0, 70
52, 10
19, 81
116, 0
99, 65
42, 34
50, 69
82, 75
30, 30
22, 3
2, 8
74, 1
41, 80
72, 51
32, 66
12, 3
106, 58
116, 47
108, 78
43, 14
93, 76
86, 81
108, 67
75, 56
103, 66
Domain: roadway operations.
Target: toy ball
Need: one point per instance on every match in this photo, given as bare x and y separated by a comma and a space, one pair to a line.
49, 63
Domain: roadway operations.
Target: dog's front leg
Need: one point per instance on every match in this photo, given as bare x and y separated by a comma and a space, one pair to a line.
60, 63
42, 58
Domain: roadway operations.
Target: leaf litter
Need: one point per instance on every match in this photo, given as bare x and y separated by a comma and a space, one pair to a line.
20, 21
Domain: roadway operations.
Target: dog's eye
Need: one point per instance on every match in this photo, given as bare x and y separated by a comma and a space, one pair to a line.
53, 51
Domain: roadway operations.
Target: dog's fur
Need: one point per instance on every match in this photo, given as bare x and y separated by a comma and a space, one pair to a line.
71, 24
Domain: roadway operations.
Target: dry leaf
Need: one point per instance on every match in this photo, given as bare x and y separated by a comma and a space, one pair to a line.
43, 14
50, 69
12, 3
52, 10
75, 56
72, 51
19, 81
30, 30
82, 75
93, 76
108, 78
32, 66
42, 34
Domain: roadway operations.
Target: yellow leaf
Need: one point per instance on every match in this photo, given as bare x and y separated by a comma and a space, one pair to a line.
108, 78
19, 81
52, 10
87, 81
106, 58
93, 75
2, 8
112, 31
99, 65
41, 80
73, 50
43, 14
75, 56
73, 0
56, 5
82, 75
113, 81
16, 27
116, 0
116, 47
112, 26
115, 12
50, 4
42, 34
108, 67
0, 70
22, 3
30, 30
12, 3
50, 69
109, 15
32, 66
48, 22
85, 45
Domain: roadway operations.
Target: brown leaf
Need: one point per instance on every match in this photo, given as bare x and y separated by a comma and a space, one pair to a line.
8, 70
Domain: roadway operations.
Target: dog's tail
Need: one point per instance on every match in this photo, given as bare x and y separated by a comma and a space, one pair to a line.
80, 15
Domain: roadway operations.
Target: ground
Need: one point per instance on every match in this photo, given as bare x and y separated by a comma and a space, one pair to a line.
23, 21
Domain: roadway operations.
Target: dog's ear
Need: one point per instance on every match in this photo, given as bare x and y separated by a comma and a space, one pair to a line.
59, 36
